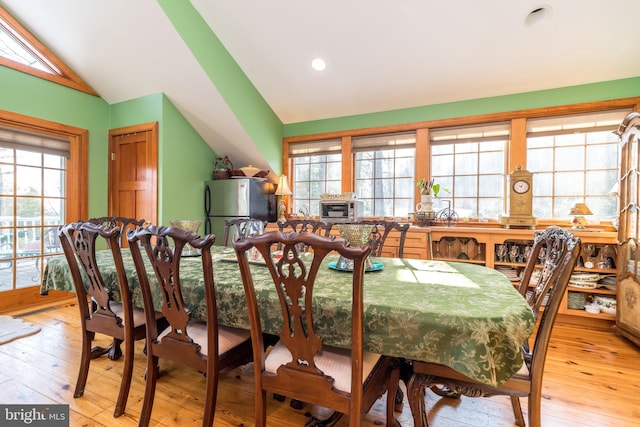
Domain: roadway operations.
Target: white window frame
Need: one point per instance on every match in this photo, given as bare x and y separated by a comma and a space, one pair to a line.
28, 242
317, 169
488, 189
586, 136
385, 194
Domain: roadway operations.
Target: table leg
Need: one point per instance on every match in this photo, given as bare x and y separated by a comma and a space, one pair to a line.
415, 394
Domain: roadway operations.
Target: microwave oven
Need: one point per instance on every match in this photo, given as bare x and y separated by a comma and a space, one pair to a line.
341, 211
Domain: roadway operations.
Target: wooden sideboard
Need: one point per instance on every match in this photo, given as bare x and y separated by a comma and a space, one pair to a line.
481, 245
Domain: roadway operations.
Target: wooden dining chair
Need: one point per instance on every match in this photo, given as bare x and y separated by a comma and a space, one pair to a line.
99, 313
300, 365
242, 227
306, 225
207, 347
123, 223
303, 225
380, 230
561, 251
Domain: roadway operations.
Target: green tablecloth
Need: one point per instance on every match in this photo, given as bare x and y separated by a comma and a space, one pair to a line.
466, 316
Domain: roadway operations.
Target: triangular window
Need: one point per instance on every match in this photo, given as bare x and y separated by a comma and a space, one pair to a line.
20, 50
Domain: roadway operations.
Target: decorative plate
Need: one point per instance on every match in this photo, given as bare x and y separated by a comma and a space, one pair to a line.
377, 266
583, 285
585, 277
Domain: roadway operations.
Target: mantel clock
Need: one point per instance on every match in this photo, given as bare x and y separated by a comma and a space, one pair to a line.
520, 200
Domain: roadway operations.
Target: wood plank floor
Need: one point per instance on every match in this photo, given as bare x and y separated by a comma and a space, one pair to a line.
591, 379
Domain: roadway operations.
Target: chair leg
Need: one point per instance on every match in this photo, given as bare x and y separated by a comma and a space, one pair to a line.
125, 383
210, 396
85, 360
535, 402
393, 392
114, 350
151, 375
517, 411
329, 422
261, 409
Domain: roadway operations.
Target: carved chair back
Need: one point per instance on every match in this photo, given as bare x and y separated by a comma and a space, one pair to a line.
205, 346
123, 223
306, 225
559, 250
380, 230
296, 366
99, 313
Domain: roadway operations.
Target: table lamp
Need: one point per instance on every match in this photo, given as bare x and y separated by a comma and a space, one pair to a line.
282, 191
578, 211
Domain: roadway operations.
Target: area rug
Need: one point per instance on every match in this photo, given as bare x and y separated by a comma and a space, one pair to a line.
12, 328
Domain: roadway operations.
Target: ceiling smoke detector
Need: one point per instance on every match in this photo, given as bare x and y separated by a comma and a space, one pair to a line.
538, 16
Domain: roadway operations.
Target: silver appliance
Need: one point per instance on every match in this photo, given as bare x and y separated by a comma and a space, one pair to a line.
341, 211
236, 198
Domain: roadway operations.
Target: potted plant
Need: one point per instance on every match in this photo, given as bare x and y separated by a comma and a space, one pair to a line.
428, 190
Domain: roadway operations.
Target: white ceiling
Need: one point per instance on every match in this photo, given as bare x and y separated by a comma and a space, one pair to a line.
381, 54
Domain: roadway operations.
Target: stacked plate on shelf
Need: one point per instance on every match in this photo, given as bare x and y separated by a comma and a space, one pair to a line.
609, 282
509, 272
584, 280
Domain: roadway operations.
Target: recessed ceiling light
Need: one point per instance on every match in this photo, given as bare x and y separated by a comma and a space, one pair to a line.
538, 16
318, 64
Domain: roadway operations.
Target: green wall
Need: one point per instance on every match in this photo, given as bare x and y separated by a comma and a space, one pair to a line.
35, 97
247, 104
185, 160
545, 98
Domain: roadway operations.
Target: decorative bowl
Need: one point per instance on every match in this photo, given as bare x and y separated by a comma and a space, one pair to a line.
607, 302
592, 308
608, 310
187, 225
357, 235
249, 170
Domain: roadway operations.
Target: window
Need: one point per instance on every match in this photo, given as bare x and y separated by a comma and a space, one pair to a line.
20, 50
574, 159
469, 164
32, 204
317, 169
384, 174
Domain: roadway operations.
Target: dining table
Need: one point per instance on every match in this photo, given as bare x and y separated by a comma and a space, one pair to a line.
463, 315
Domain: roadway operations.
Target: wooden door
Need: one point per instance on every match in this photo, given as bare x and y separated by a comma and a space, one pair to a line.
133, 172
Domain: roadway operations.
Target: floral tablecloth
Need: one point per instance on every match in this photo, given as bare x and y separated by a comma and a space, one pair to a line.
463, 315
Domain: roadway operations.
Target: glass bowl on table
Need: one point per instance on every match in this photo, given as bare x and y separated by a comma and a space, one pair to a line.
357, 235
187, 225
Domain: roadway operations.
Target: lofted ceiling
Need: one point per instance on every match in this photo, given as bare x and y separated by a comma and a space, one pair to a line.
380, 55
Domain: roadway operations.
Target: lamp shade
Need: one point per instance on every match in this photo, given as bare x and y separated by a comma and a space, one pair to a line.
283, 187
580, 209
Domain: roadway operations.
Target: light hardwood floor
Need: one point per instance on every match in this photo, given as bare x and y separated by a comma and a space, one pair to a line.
591, 379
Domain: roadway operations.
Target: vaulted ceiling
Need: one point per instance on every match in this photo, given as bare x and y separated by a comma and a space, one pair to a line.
381, 55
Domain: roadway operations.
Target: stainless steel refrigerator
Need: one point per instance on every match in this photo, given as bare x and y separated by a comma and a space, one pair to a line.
236, 198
